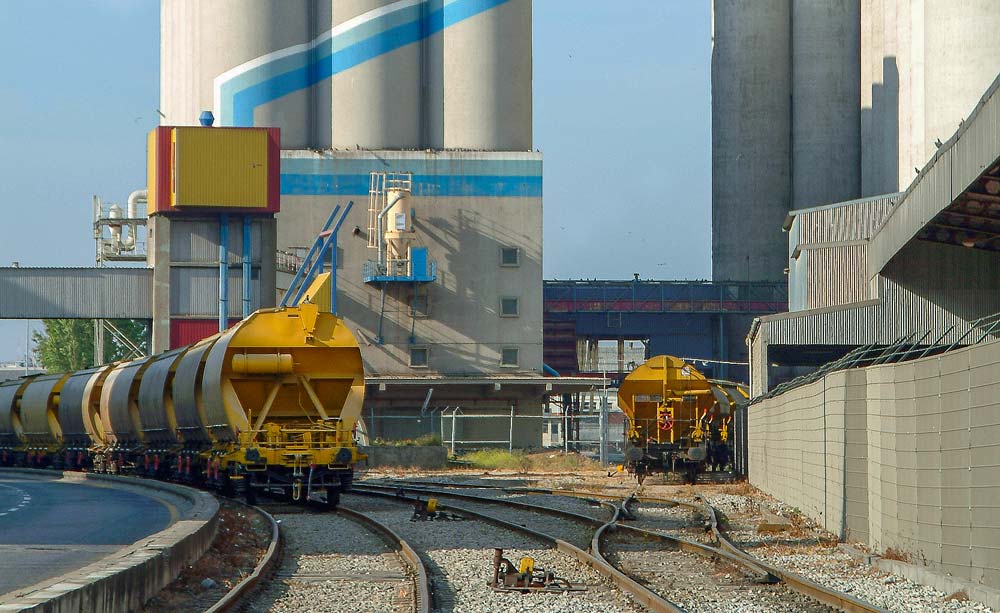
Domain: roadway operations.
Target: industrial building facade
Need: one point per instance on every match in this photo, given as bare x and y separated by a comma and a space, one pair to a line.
817, 102
437, 96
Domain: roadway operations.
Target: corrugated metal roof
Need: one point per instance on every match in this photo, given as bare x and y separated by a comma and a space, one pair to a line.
76, 293
971, 151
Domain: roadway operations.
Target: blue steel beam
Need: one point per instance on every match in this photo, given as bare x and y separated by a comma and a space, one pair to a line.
246, 265
223, 272
327, 237
293, 286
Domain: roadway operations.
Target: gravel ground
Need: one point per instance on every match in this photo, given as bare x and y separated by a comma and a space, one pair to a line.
570, 531
459, 556
804, 549
332, 564
701, 585
811, 552
835, 568
680, 521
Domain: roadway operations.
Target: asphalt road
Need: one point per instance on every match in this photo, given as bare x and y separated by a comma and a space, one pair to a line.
49, 527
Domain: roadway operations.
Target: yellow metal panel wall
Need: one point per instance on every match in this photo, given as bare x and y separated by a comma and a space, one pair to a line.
219, 168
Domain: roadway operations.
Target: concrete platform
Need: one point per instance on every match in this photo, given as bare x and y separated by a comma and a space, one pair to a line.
50, 526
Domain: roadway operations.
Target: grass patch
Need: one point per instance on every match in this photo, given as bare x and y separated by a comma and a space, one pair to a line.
501, 459
427, 440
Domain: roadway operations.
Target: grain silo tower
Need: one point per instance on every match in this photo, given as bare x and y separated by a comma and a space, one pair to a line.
785, 124
438, 91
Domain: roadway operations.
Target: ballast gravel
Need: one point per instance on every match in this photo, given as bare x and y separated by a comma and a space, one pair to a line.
332, 564
459, 557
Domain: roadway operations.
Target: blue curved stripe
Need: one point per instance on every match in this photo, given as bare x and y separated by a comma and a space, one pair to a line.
266, 83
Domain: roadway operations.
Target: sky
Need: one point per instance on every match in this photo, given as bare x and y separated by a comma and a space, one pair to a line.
622, 115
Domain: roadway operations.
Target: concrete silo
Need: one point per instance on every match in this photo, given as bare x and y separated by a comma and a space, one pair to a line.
961, 60
202, 44
377, 101
484, 80
825, 89
751, 138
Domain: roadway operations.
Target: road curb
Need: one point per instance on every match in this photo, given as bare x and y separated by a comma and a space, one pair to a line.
126, 579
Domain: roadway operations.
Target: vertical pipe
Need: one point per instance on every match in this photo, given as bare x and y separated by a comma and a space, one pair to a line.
333, 274
247, 252
223, 272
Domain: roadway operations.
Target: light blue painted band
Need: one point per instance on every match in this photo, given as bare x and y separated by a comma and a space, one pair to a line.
245, 92
495, 186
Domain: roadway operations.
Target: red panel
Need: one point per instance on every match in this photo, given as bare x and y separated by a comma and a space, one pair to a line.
189, 331
161, 158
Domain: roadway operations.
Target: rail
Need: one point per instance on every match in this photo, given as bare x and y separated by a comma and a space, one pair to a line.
244, 587
409, 555
643, 594
727, 549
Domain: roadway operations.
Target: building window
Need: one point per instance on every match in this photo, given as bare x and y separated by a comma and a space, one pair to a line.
509, 306
510, 256
509, 356
418, 357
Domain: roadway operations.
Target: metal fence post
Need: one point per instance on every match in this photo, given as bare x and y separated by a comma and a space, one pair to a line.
454, 415
510, 440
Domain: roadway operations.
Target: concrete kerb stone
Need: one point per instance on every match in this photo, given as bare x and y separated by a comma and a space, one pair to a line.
925, 576
126, 579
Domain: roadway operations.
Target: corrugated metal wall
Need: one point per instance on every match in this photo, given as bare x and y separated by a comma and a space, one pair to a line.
835, 275
195, 291
845, 221
198, 241
76, 293
828, 252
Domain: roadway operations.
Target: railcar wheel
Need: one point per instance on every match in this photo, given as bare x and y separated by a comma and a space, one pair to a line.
249, 494
346, 481
332, 498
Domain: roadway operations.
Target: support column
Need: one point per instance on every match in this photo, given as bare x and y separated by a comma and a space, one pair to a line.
223, 272
159, 260
247, 252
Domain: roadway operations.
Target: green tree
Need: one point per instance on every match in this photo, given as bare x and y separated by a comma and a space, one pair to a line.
65, 345
68, 344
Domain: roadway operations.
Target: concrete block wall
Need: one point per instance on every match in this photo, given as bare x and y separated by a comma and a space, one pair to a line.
808, 448
920, 446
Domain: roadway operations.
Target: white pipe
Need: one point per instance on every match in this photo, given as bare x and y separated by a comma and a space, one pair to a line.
139, 195
132, 210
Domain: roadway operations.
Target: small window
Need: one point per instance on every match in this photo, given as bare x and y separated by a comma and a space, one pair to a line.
418, 357
419, 304
509, 356
400, 221
509, 307
510, 256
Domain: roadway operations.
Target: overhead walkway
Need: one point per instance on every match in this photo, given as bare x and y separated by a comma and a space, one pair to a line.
76, 293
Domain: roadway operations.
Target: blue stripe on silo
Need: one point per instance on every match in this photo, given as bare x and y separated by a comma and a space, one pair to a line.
237, 105
496, 186
431, 165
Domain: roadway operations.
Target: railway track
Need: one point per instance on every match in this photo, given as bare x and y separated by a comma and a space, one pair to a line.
334, 562
458, 554
738, 574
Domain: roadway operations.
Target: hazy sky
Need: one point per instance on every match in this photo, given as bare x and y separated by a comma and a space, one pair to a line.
621, 112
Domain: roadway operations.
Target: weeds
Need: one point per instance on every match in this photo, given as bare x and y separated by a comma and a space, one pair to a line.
501, 459
427, 440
